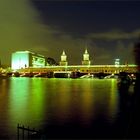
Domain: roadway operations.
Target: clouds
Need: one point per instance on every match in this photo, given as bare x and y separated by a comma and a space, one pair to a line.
114, 44
115, 35
21, 28
107, 52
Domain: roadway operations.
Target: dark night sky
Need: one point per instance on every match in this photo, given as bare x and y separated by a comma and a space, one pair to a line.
108, 29
82, 17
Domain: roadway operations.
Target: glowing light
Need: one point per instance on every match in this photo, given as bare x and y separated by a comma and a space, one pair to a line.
86, 60
63, 56
63, 61
117, 62
25, 59
20, 60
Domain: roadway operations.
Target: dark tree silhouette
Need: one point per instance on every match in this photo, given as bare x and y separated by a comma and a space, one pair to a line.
137, 53
51, 61
135, 117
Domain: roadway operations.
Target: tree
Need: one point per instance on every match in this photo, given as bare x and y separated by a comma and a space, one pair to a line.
137, 53
51, 61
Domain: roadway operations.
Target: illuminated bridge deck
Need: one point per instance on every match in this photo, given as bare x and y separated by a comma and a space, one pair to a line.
83, 69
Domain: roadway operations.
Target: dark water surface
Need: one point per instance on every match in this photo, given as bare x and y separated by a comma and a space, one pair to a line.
62, 108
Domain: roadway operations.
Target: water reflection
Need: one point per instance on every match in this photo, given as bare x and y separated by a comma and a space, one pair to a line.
26, 103
48, 104
113, 101
4, 96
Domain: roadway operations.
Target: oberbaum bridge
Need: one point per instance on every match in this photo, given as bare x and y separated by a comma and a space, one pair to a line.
28, 62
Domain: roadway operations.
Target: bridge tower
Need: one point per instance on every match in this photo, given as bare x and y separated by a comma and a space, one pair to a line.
63, 61
117, 62
86, 60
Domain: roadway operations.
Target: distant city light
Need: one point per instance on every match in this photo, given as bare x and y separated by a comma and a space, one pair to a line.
117, 62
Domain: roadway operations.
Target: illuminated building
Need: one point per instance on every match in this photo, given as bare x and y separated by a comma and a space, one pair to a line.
63, 61
117, 62
86, 60
25, 59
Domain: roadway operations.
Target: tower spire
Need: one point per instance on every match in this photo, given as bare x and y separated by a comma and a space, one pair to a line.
86, 52
86, 60
63, 61
63, 53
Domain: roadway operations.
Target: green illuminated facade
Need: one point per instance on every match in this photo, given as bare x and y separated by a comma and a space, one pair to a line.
25, 59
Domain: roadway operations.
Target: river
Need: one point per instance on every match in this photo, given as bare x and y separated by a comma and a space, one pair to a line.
61, 108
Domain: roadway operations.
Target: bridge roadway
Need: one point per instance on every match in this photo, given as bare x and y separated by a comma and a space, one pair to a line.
82, 68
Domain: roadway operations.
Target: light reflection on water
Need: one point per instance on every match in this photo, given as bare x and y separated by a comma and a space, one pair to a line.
42, 102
